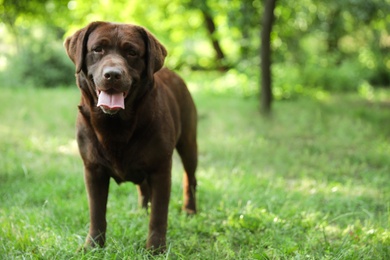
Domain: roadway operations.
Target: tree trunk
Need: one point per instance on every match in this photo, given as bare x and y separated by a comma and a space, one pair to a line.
265, 56
210, 25
334, 30
204, 8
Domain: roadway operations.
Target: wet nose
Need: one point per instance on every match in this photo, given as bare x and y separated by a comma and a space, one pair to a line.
112, 73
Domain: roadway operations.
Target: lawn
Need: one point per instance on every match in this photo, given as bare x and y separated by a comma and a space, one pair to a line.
312, 182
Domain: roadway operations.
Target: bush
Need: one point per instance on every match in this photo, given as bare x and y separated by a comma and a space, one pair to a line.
380, 76
40, 62
343, 77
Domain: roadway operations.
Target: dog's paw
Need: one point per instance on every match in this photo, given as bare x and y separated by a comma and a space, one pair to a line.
189, 211
156, 244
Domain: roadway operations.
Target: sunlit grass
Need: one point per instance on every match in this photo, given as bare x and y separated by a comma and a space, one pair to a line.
309, 183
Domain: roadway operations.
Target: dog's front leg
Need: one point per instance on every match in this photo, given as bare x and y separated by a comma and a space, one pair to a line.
160, 183
97, 184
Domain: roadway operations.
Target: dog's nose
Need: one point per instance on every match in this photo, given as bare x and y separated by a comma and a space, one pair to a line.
111, 73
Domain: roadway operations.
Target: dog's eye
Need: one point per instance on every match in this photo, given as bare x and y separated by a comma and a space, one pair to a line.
131, 53
98, 49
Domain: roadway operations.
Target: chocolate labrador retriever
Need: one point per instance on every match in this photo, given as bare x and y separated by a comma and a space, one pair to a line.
132, 115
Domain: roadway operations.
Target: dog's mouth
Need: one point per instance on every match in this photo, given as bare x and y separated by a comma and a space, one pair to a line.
111, 102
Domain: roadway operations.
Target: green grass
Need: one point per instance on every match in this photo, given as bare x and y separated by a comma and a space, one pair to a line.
312, 182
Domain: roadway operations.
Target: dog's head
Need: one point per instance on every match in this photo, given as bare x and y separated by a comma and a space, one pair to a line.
117, 60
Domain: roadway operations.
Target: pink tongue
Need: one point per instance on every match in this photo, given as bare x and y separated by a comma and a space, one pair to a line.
111, 101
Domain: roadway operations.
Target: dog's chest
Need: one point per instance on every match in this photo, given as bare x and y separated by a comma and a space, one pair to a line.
136, 176
130, 152
127, 163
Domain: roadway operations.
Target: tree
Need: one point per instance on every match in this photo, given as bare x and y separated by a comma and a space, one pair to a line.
210, 25
212, 32
316, 44
265, 56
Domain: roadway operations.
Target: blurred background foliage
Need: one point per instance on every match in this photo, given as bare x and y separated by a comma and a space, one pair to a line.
325, 45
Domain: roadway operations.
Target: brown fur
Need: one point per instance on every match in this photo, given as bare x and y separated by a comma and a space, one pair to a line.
135, 144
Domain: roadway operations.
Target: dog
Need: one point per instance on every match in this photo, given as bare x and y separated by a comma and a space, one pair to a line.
132, 114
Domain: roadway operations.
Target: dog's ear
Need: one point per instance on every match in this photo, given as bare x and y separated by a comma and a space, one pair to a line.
76, 45
155, 53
